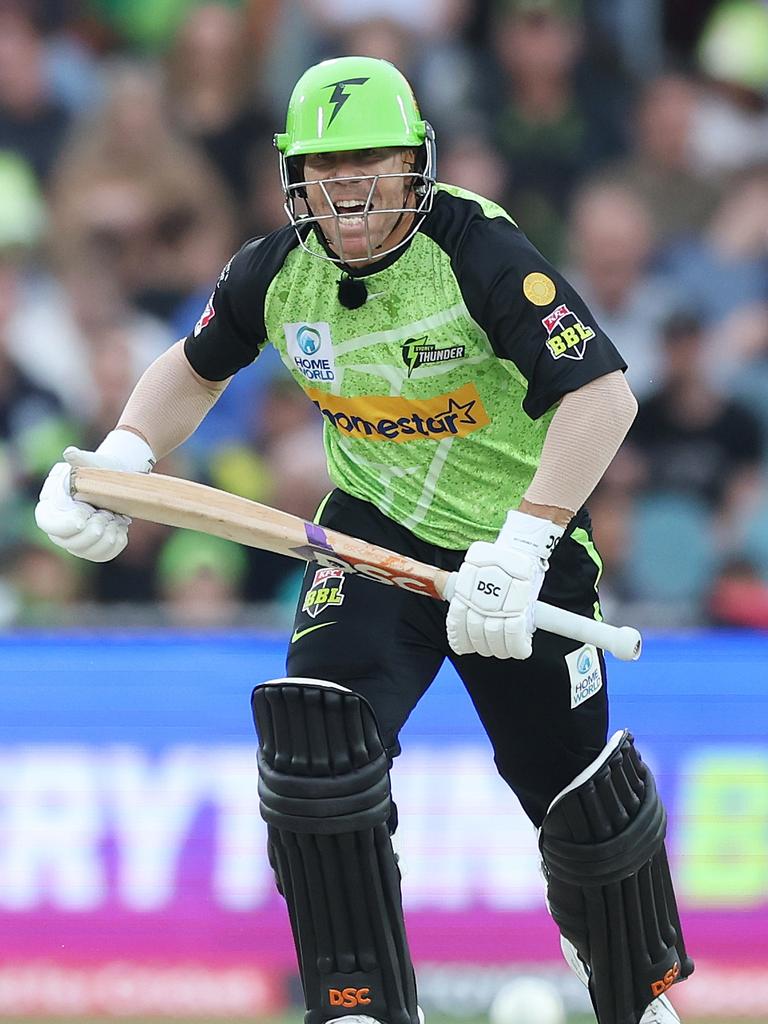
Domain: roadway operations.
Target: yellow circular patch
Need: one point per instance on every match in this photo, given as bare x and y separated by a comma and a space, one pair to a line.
539, 289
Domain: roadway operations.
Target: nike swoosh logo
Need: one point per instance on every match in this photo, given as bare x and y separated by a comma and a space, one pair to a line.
299, 633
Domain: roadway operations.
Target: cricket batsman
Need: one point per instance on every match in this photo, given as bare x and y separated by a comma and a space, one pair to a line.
471, 403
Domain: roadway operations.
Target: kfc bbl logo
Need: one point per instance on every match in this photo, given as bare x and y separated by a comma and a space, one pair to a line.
567, 336
325, 592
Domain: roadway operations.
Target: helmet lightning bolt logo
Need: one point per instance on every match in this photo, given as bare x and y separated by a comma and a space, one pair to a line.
339, 97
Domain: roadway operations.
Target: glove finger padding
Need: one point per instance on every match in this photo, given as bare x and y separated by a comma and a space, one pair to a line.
79, 459
518, 638
113, 541
102, 538
60, 522
495, 637
57, 512
475, 623
458, 638
121, 449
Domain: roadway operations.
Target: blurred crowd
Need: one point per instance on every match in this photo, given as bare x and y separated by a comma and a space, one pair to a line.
630, 142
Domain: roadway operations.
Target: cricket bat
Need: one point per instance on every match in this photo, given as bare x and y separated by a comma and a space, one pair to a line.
182, 503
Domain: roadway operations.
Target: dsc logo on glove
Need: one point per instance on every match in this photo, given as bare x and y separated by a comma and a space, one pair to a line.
489, 588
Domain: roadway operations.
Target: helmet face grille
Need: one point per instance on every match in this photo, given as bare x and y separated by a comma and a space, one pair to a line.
420, 182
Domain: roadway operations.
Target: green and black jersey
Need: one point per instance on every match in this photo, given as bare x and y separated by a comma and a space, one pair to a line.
438, 391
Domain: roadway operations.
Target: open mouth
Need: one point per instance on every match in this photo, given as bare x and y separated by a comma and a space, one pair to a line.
352, 212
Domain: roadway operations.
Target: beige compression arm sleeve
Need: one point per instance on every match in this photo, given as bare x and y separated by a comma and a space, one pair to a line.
583, 437
170, 401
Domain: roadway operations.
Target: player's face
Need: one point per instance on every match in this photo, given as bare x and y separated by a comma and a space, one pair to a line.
348, 231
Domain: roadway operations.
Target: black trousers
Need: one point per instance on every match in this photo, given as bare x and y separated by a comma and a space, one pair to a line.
387, 644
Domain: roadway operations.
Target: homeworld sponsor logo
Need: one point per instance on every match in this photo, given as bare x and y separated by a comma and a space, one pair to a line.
310, 350
420, 352
383, 418
585, 674
567, 336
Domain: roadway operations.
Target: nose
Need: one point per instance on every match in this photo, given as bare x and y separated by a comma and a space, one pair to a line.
347, 169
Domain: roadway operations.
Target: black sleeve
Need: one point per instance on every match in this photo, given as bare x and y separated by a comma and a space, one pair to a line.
532, 316
231, 332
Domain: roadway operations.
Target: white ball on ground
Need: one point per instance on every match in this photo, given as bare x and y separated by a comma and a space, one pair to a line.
527, 1001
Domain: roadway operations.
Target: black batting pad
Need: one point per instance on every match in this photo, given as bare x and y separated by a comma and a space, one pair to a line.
609, 886
325, 795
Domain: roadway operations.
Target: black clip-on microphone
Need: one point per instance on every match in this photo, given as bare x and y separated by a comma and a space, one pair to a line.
352, 292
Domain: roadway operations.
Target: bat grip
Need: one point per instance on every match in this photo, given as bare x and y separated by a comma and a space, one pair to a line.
623, 642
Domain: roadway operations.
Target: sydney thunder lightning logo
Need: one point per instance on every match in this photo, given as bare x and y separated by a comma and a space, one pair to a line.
419, 352
338, 97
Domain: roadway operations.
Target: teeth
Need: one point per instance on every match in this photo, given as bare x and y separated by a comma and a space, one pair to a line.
345, 203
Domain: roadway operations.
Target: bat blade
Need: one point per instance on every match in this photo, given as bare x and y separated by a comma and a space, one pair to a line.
172, 501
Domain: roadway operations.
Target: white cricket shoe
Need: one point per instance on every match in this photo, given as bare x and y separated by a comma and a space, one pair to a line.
354, 1018
660, 1011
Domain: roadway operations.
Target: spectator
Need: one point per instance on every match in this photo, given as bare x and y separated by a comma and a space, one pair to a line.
211, 91
32, 122
452, 76
471, 162
611, 242
32, 422
723, 272
200, 579
263, 204
46, 585
444, 71
739, 596
694, 441
76, 310
130, 194
661, 168
143, 24
22, 212
730, 130
421, 18
551, 126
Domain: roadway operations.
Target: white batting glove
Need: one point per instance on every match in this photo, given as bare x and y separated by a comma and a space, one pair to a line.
496, 588
76, 526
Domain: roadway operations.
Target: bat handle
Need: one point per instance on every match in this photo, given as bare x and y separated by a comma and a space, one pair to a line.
624, 642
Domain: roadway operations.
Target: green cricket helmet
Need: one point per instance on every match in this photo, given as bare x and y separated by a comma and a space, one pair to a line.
354, 103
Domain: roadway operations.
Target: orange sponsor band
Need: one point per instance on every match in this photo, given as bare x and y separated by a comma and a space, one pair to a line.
384, 418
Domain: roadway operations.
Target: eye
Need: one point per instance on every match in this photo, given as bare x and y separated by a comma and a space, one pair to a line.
319, 161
